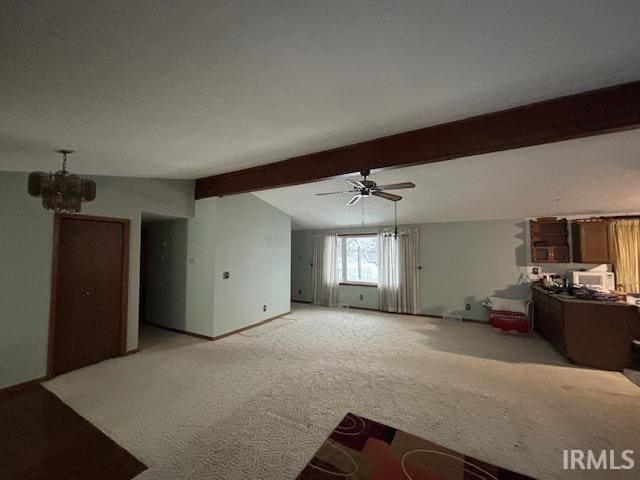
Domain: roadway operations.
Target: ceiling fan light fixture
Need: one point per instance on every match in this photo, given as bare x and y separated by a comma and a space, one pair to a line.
61, 191
394, 232
369, 188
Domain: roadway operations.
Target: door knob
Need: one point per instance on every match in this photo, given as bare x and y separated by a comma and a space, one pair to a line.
87, 292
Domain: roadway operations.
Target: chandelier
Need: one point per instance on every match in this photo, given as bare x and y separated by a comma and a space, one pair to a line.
61, 191
388, 232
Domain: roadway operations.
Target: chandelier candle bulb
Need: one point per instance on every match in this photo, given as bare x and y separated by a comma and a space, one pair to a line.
387, 232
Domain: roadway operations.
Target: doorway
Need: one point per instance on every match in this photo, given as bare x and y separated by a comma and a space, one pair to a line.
163, 277
89, 291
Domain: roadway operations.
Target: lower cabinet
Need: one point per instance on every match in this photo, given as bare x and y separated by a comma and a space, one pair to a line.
589, 333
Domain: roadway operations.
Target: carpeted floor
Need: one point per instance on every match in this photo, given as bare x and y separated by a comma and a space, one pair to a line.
258, 405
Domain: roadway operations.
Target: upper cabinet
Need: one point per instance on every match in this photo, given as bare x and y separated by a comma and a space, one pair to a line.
549, 240
590, 241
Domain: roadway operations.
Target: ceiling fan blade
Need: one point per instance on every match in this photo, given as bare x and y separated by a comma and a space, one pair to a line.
396, 186
388, 196
356, 183
334, 193
354, 199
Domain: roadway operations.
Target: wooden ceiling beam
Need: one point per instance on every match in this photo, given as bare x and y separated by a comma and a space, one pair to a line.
585, 114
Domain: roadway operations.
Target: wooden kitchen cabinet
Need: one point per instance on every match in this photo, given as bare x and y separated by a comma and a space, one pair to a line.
552, 254
590, 241
590, 333
549, 240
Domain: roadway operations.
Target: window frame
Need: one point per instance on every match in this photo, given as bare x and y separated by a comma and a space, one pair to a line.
343, 259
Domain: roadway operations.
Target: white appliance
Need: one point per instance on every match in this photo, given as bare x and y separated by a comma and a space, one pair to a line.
602, 279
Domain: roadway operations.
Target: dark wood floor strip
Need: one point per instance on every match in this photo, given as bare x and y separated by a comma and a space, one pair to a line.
43, 438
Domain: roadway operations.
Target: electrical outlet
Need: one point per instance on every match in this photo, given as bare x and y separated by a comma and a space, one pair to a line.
299, 292
467, 306
361, 297
264, 308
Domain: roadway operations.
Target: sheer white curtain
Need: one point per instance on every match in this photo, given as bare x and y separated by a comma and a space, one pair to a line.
399, 272
325, 270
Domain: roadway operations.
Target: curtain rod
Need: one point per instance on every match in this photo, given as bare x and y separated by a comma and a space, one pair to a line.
622, 217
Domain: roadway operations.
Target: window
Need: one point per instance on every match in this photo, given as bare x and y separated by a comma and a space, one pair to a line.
358, 259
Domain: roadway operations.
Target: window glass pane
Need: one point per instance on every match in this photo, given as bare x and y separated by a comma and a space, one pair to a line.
361, 259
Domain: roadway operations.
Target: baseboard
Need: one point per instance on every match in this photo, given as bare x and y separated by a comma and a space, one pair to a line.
475, 320
366, 308
19, 386
253, 325
177, 330
36, 381
470, 320
632, 375
439, 317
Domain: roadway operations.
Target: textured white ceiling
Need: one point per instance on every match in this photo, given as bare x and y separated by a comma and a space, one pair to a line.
593, 175
184, 89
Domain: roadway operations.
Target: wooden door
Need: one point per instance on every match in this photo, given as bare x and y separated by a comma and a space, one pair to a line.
89, 293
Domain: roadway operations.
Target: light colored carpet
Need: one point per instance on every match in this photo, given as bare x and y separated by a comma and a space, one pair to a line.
257, 405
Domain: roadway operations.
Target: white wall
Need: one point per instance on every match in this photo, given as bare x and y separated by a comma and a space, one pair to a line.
251, 240
253, 244
25, 280
25, 257
201, 243
462, 263
359, 296
240, 234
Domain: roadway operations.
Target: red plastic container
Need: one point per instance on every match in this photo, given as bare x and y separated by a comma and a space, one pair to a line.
509, 321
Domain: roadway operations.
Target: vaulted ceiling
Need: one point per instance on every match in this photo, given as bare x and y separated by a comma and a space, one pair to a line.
595, 175
187, 89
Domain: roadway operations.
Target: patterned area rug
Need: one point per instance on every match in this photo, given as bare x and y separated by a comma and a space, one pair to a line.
360, 448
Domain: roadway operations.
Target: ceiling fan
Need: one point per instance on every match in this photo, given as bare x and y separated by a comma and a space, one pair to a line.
367, 188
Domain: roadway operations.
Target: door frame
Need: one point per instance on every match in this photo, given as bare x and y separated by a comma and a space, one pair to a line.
124, 284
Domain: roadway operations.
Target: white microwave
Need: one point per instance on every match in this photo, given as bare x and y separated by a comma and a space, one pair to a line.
602, 279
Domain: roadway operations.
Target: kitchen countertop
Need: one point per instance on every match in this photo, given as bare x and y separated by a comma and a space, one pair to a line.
568, 298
